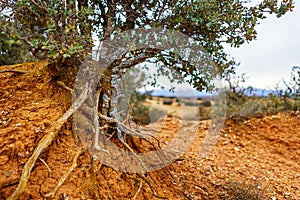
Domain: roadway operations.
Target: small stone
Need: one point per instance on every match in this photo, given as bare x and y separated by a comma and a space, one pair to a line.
37, 130
197, 187
6, 173
5, 112
22, 155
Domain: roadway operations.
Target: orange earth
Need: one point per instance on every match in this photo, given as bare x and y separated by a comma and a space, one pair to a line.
257, 158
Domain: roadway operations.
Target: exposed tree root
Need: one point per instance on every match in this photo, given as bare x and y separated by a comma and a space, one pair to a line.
44, 162
138, 191
65, 176
124, 129
46, 141
140, 182
63, 85
151, 186
121, 139
98, 130
9, 182
102, 112
11, 70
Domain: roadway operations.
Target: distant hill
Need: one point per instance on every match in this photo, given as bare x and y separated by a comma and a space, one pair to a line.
196, 94
180, 93
261, 92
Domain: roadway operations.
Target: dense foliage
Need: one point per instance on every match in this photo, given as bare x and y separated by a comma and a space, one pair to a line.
61, 31
12, 50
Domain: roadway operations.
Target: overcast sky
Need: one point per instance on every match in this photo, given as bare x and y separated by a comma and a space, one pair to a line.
270, 58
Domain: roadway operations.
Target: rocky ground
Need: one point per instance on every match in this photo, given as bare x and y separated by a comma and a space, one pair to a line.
257, 158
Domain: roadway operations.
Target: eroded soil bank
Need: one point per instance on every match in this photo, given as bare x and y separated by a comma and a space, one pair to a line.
259, 155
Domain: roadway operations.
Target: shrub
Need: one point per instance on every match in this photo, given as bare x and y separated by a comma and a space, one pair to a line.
189, 103
206, 103
156, 113
296, 105
205, 112
140, 112
167, 102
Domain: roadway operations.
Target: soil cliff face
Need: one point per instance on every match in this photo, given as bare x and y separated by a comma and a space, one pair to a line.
259, 157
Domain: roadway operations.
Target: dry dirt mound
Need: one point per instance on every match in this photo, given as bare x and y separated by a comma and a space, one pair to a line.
259, 157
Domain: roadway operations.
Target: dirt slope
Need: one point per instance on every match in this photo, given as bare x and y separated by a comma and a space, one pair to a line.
259, 156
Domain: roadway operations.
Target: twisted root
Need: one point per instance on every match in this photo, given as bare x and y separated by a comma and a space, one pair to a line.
45, 142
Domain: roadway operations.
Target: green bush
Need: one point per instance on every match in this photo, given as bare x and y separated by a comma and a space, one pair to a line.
205, 112
259, 106
167, 102
189, 103
140, 112
156, 113
296, 105
206, 103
